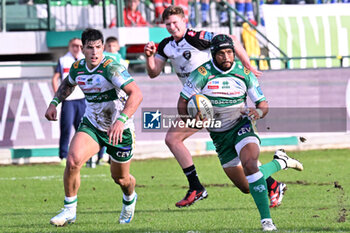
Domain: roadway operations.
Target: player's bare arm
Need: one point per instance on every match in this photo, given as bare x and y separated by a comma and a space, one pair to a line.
115, 132
182, 108
64, 90
154, 65
243, 56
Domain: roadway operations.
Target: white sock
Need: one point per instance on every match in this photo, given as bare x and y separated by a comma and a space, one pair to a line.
267, 219
71, 203
130, 197
282, 163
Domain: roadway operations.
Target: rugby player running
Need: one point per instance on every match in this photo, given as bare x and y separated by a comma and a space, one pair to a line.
112, 98
187, 49
236, 142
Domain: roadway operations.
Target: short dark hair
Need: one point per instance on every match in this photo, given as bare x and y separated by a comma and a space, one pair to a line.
173, 10
111, 39
91, 34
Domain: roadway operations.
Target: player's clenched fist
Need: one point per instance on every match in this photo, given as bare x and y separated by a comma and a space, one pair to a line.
51, 113
150, 49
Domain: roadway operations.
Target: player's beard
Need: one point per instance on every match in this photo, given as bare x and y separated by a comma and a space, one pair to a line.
222, 67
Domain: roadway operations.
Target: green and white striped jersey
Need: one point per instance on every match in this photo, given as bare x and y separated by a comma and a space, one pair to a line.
227, 91
103, 89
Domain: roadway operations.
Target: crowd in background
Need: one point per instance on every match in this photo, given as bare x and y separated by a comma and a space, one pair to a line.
198, 12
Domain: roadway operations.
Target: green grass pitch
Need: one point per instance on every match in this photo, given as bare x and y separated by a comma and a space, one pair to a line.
317, 199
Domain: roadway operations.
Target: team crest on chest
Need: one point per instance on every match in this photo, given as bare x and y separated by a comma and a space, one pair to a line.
187, 55
202, 70
246, 71
76, 64
107, 63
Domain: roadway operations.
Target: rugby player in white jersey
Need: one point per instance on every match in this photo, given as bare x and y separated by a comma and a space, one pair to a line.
235, 139
187, 49
112, 98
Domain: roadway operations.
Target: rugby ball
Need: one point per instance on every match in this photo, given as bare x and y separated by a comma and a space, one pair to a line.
200, 103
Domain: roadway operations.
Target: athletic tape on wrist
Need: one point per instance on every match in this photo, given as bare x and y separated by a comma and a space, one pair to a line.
121, 119
124, 116
260, 112
55, 101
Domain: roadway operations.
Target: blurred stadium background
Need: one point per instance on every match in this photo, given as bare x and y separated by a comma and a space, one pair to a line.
303, 50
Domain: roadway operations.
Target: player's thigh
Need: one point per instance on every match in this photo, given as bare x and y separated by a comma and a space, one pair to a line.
82, 148
120, 170
179, 133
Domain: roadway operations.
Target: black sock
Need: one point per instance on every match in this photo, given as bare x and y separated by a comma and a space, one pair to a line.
192, 178
271, 184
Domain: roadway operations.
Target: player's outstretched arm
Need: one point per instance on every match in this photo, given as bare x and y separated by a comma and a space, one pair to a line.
243, 56
115, 132
154, 65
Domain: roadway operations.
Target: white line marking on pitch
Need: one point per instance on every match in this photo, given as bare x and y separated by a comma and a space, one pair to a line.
47, 177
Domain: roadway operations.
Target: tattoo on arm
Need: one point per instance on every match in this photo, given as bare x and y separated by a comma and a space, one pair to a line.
64, 90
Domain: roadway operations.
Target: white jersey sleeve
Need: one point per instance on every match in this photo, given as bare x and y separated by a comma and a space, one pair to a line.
254, 91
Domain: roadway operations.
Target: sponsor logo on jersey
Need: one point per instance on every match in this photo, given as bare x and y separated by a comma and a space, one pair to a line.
258, 88
188, 83
245, 129
152, 120
106, 63
206, 36
240, 76
81, 72
76, 64
126, 74
81, 81
226, 93
99, 71
225, 85
202, 70
211, 76
246, 71
192, 33
187, 55
123, 152
213, 86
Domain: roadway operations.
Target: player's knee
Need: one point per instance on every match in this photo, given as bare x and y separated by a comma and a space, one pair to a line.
73, 164
244, 189
250, 166
122, 181
170, 140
